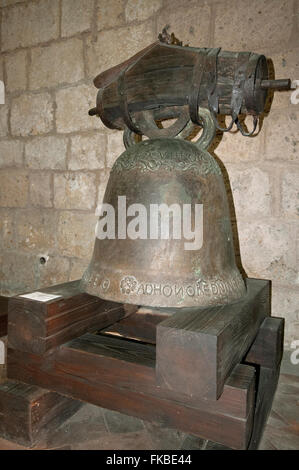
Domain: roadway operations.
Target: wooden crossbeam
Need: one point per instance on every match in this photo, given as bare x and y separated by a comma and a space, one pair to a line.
120, 375
28, 412
3, 315
209, 342
37, 326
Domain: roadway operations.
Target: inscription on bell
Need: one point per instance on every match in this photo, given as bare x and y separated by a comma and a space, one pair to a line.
216, 287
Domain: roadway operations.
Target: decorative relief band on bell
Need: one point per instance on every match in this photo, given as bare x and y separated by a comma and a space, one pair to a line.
210, 288
211, 291
151, 157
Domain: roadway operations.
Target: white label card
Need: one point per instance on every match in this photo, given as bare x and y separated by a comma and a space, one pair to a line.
40, 296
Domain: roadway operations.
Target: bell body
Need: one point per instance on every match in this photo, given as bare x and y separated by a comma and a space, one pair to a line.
162, 272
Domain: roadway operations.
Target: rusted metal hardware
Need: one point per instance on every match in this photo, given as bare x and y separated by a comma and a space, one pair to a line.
179, 79
279, 84
190, 86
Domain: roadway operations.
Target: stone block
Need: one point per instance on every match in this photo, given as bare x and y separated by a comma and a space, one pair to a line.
281, 136
268, 250
115, 147
290, 193
36, 230
11, 153
17, 272
76, 16
72, 109
14, 186
57, 63
30, 23
120, 44
88, 152
54, 271
1, 69
7, 229
38, 110
251, 190
3, 120
104, 176
15, 67
286, 65
110, 14
235, 148
140, 10
40, 188
285, 303
76, 234
46, 153
191, 26
5, 3
74, 190
244, 25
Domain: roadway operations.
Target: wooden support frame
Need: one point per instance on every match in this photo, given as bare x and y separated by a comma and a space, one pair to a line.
215, 339
28, 412
35, 326
111, 373
120, 374
265, 352
3, 315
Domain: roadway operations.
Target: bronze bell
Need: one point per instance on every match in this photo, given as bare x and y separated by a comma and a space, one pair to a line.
194, 85
162, 272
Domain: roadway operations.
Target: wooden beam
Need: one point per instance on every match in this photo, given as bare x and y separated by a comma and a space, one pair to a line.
266, 353
266, 385
197, 349
141, 325
28, 412
267, 348
132, 365
3, 315
37, 326
110, 373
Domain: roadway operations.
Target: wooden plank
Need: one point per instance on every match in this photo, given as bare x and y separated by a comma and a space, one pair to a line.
122, 378
125, 383
266, 353
267, 384
132, 365
28, 413
197, 349
3, 315
141, 326
161, 76
267, 348
36, 326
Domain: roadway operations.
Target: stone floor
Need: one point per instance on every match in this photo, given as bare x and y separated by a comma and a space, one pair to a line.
96, 428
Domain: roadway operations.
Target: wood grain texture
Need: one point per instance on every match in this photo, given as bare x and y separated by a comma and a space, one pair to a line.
3, 315
266, 353
266, 385
120, 375
267, 348
197, 350
161, 75
36, 327
28, 412
141, 325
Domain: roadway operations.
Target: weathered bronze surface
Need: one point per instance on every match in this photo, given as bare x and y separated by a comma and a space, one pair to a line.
180, 79
161, 272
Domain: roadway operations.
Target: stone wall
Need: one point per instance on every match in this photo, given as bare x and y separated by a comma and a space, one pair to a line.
55, 159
